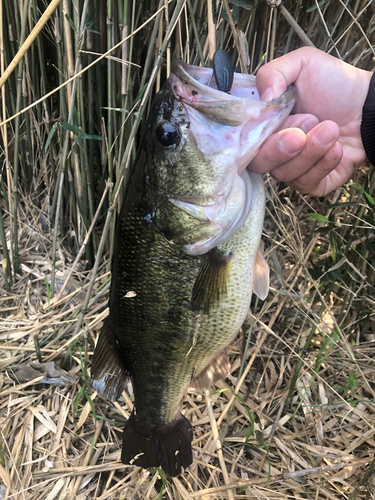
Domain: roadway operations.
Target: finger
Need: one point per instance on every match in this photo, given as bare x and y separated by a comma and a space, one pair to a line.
273, 78
316, 180
278, 149
282, 146
304, 121
318, 142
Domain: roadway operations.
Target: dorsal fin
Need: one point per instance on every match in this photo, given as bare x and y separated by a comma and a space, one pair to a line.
261, 276
212, 280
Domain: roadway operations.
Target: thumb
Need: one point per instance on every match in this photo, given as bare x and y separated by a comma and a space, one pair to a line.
270, 83
273, 79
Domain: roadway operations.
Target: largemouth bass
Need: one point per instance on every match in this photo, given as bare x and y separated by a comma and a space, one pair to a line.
186, 257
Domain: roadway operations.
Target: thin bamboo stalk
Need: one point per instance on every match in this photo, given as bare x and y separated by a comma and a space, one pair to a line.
64, 158
4, 133
299, 31
125, 127
151, 48
111, 84
177, 12
92, 146
196, 33
17, 139
81, 72
6, 261
85, 242
27, 43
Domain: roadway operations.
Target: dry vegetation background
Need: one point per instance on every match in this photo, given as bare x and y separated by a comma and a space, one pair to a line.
296, 416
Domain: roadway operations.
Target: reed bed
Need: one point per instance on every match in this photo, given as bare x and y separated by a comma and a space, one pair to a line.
295, 419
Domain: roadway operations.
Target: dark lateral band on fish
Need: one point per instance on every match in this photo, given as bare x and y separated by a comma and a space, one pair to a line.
187, 247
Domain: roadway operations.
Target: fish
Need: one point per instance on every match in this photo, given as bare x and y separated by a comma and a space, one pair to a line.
186, 256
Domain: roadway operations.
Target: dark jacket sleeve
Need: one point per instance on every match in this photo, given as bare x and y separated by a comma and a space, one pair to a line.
368, 122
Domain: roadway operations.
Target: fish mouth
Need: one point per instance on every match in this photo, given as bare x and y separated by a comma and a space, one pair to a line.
226, 129
196, 87
220, 220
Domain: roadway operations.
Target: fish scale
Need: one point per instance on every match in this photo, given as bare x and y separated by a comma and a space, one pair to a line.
191, 286
165, 311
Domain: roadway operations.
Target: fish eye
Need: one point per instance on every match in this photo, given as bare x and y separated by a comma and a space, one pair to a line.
167, 134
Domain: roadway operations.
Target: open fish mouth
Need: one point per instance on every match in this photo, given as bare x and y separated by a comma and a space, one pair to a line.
228, 128
196, 87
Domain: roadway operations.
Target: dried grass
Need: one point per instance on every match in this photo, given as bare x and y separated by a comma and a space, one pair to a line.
313, 436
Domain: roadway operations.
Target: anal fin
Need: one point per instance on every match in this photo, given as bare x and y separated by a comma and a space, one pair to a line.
217, 369
108, 370
211, 283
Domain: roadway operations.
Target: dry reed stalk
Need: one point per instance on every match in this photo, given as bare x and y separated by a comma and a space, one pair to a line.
30, 39
79, 73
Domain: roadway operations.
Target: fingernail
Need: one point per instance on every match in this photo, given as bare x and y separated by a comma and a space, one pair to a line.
331, 154
309, 124
278, 174
267, 95
291, 143
325, 135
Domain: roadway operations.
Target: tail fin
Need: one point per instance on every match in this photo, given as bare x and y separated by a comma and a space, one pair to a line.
168, 446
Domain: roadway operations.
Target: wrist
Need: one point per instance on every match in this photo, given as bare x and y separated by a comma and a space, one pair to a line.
368, 122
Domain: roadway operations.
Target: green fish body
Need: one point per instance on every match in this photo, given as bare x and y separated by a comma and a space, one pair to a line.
186, 257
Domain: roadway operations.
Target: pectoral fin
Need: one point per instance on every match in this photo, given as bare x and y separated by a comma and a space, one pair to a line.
211, 283
261, 276
108, 370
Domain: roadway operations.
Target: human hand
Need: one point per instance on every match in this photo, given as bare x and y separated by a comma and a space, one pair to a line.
314, 153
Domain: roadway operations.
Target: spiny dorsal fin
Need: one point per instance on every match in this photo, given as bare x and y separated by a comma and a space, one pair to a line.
261, 276
211, 283
108, 371
217, 369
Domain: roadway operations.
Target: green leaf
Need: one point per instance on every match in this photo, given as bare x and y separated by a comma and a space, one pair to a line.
241, 400
321, 218
48, 292
323, 229
78, 397
120, 110
75, 117
50, 135
94, 137
241, 3
310, 9
334, 245
341, 204
369, 198
285, 292
235, 14
357, 188
71, 128
339, 264
70, 21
